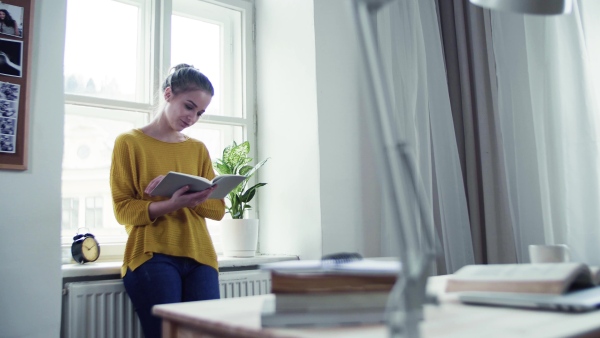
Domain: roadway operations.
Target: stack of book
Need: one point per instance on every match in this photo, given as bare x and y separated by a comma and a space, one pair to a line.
329, 292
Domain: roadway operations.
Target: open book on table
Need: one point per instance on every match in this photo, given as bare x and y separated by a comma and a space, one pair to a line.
544, 278
173, 181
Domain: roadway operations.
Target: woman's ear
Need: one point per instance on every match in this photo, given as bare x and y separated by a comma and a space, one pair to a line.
168, 94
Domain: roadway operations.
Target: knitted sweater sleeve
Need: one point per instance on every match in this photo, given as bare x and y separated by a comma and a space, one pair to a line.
129, 207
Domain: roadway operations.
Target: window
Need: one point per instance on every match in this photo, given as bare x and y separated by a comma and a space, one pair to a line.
70, 213
93, 212
112, 76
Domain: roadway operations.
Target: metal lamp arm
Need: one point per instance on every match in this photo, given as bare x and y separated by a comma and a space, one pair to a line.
405, 305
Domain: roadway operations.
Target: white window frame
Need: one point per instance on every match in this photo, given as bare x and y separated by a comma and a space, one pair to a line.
155, 38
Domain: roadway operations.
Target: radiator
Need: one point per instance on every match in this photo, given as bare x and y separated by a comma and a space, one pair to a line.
102, 309
99, 309
244, 283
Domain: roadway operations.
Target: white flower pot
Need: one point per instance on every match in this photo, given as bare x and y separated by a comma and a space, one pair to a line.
239, 237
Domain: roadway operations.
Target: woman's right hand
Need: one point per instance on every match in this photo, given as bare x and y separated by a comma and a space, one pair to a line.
182, 199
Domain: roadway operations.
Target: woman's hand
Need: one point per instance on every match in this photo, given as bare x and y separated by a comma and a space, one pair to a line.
182, 199
153, 184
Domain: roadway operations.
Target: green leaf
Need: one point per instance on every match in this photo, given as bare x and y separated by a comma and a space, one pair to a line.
236, 156
222, 168
245, 169
236, 161
227, 151
249, 174
249, 194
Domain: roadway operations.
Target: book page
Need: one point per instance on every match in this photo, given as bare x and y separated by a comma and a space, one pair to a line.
524, 272
532, 278
173, 181
225, 183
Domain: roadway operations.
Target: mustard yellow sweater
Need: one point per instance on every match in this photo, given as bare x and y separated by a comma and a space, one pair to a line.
139, 158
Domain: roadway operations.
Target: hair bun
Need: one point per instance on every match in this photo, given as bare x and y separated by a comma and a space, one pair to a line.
181, 66
184, 77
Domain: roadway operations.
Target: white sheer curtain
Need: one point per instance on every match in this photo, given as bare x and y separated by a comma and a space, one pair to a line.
411, 46
548, 119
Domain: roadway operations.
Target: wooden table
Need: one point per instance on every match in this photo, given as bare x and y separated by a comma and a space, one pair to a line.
240, 317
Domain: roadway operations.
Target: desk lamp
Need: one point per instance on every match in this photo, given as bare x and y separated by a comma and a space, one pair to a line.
395, 161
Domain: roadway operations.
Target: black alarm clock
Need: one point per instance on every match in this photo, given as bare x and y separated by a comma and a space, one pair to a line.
85, 248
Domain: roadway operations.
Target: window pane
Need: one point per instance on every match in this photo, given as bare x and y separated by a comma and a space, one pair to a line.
89, 138
102, 57
203, 52
209, 37
93, 212
88, 143
70, 213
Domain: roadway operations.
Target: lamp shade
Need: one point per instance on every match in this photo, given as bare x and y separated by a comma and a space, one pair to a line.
540, 7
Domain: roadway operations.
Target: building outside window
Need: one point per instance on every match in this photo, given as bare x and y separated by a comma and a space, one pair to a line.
70, 214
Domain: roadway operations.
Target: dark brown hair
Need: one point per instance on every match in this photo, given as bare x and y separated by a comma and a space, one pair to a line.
184, 78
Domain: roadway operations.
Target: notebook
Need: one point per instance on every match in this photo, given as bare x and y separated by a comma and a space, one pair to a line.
343, 263
574, 301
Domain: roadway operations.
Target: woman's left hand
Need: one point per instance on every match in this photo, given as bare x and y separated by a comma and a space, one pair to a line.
153, 184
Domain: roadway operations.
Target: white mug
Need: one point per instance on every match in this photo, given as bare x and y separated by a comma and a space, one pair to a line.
549, 253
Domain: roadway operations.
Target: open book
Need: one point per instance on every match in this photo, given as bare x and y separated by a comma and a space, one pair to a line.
173, 181
545, 278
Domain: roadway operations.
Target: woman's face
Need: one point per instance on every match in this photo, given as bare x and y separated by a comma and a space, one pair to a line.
2, 15
184, 109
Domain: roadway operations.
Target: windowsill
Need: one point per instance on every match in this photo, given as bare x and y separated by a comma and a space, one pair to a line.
71, 270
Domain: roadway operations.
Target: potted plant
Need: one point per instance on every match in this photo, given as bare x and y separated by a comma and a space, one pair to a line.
239, 235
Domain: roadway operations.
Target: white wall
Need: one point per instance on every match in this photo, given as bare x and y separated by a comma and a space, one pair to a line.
308, 71
290, 218
30, 204
350, 194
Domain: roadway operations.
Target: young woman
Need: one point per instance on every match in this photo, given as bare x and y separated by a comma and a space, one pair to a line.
8, 25
169, 255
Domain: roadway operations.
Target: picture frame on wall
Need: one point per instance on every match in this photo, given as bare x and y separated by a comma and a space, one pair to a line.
11, 57
11, 19
16, 18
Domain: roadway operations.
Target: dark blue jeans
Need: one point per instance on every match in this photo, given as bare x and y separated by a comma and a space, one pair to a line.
168, 279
